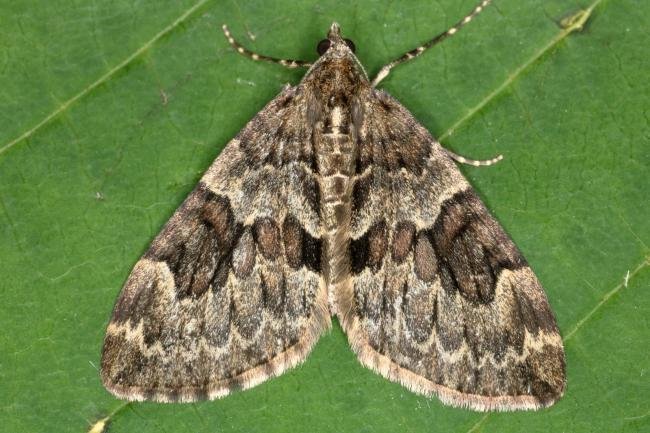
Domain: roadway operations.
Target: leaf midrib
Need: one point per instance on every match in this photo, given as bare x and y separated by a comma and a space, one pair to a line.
104, 78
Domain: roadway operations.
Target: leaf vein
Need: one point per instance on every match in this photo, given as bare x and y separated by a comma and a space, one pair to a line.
104, 78
575, 23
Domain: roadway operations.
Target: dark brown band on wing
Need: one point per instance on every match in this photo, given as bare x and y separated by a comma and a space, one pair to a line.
300, 247
198, 243
471, 248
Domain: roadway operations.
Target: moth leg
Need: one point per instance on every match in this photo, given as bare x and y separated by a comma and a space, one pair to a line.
287, 63
383, 72
475, 162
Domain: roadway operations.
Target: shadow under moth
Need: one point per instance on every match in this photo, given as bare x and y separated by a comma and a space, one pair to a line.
334, 200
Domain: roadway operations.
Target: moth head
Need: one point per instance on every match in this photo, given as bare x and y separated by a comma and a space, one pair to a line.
337, 66
334, 42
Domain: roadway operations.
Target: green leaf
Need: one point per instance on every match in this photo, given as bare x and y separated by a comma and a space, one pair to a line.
110, 112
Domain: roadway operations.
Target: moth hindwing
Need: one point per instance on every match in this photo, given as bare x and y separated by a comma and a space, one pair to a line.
334, 200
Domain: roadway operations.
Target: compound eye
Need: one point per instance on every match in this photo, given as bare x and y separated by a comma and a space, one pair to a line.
323, 46
350, 45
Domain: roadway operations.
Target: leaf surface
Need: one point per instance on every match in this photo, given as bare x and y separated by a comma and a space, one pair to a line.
110, 112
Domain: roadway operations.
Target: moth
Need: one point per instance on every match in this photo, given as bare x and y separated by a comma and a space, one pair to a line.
334, 201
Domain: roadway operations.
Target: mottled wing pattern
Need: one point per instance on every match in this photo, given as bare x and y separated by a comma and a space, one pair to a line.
229, 293
441, 299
